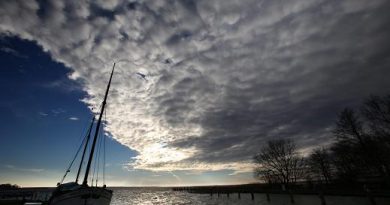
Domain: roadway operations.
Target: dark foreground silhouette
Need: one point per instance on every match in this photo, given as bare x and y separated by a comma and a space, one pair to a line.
355, 163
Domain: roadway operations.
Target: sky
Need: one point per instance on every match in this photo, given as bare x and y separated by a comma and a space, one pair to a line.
218, 80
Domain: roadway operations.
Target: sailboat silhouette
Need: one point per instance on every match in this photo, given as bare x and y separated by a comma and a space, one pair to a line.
73, 193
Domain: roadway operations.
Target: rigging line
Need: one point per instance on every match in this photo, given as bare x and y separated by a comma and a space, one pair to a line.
74, 158
104, 151
98, 155
94, 166
95, 162
85, 148
89, 150
86, 125
93, 176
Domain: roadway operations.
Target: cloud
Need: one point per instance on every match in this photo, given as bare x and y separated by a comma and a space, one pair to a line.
12, 52
223, 77
14, 168
43, 114
63, 85
58, 111
74, 118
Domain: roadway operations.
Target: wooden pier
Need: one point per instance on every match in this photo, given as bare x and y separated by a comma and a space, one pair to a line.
253, 189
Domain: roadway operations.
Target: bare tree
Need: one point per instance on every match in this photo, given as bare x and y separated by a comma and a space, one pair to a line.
320, 164
349, 128
376, 110
347, 161
279, 162
352, 155
357, 151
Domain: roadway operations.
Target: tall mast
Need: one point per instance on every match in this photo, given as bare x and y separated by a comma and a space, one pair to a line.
97, 129
85, 148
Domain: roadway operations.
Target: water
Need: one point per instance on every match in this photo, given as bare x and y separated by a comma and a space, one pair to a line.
155, 196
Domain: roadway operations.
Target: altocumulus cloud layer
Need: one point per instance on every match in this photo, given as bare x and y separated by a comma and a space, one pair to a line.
221, 77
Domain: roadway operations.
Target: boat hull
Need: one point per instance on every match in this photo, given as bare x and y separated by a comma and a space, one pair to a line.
82, 196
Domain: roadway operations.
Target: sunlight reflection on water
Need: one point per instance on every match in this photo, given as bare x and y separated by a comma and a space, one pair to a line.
146, 197
139, 196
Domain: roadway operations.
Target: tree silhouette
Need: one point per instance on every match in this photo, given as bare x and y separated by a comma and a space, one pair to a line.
320, 164
360, 152
9, 186
279, 162
362, 144
376, 111
349, 128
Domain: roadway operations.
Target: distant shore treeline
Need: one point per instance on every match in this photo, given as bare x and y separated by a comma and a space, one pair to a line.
9, 186
359, 153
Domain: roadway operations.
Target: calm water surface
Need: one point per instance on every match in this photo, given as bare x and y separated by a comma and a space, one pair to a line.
141, 196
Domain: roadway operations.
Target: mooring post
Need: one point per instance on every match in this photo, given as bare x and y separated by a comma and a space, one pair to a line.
268, 198
323, 202
239, 195
372, 200
291, 197
370, 197
253, 196
218, 194
211, 193
227, 194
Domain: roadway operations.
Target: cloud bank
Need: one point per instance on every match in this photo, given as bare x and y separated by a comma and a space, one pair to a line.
220, 77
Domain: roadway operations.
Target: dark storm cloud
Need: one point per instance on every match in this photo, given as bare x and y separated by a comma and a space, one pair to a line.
223, 77
332, 68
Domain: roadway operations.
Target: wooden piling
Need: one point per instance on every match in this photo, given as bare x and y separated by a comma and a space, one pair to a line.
291, 197
253, 196
268, 197
239, 195
321, 195
370, 197
372, 200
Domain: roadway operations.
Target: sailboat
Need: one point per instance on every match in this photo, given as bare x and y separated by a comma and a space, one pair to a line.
73, 193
